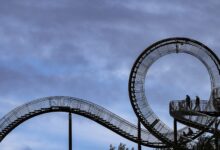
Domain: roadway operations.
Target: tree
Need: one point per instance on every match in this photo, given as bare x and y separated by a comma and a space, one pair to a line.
120, 147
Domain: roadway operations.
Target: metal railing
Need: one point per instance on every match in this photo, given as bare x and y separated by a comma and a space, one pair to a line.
78, 106
193, 114
182, 106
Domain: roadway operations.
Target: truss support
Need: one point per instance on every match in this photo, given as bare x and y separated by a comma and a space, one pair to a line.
70, 131
139, 134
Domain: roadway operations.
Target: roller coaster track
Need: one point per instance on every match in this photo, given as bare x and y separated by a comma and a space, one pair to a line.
139, 72
158, 134
76, 106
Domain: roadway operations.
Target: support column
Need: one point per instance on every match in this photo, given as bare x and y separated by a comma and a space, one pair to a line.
175, 133
216, 134
139, 134
70, 131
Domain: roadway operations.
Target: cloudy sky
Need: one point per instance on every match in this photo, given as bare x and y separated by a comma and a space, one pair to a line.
86, 49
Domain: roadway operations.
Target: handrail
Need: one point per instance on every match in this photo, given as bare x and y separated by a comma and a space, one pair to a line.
184, 113
78, 106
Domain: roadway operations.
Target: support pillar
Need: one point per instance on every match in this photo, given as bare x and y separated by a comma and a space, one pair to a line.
70, 131
139, 134
175, 133
216, 134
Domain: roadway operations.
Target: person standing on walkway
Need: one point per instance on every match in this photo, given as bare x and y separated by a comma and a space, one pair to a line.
197, 106
188, 102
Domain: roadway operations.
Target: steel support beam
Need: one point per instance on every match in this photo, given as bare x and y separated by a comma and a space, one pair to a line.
70, 131
216, 134
175, 133
139, 134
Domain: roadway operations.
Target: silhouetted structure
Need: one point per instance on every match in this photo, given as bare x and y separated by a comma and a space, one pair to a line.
157, 134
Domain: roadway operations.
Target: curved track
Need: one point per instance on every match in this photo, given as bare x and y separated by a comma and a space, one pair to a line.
158, 134
77, 106
139, 71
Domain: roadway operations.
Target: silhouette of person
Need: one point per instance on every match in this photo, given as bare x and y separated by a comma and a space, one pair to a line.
188, 102
184, 133
197, 106
190, 131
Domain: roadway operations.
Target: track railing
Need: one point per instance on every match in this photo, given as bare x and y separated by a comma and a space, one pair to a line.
77, 106
194, 115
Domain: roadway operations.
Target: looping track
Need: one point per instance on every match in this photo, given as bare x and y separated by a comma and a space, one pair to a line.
158, 134
139, 71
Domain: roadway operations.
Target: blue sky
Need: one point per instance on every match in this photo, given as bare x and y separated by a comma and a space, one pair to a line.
86, 49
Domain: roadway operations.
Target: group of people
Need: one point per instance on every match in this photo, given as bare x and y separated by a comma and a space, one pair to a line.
189, 104
190, 132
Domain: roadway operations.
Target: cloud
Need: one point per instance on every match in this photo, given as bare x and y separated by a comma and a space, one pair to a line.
86, 49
